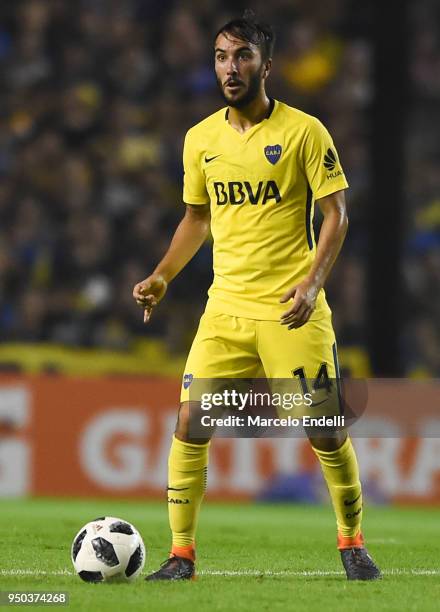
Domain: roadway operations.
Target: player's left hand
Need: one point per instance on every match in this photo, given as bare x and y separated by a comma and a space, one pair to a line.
304, 300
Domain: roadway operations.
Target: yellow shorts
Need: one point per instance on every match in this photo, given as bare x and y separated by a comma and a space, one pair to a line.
234, 347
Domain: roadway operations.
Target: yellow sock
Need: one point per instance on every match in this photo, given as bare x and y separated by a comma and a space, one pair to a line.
341, 473
187, 471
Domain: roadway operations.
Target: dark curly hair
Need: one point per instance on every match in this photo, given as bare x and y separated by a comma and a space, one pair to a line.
247, 28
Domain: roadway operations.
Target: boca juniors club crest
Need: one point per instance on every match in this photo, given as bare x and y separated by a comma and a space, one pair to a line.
187, 380
273, 153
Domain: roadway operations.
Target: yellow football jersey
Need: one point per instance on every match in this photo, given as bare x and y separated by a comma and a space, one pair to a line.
261, 186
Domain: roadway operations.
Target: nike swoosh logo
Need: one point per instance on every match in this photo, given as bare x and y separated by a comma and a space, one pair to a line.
173, 489
208, 159
350, 503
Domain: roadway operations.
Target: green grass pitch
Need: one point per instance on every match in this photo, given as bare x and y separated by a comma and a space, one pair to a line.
250, 557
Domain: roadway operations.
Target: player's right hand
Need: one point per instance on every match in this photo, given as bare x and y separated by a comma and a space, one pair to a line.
149, 292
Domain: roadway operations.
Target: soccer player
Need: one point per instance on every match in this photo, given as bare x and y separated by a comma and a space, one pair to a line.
253, 171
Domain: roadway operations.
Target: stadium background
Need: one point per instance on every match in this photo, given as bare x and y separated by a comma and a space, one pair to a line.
95, 99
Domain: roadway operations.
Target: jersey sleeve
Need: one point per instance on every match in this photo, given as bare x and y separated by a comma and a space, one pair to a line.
194, 184
321, 162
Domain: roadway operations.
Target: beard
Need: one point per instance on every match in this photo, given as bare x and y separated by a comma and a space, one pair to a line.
247, 96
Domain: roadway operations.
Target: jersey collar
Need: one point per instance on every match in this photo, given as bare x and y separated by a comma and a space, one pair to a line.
249, 133
271, 107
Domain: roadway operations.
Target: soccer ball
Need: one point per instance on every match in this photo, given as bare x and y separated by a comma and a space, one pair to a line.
108, 548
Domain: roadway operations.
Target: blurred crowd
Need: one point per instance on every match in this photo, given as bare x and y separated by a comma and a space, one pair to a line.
96, 99
421, 265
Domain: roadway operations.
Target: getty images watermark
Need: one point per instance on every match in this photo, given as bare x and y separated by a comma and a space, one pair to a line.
323, 406
244, 401
263, 408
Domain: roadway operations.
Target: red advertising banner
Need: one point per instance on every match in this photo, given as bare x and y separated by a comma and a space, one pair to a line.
110, 437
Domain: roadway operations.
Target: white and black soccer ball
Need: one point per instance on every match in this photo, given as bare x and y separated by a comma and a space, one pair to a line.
108, 548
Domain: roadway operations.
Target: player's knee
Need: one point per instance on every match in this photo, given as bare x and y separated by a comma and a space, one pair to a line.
183, 429
329, 444
182, 426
